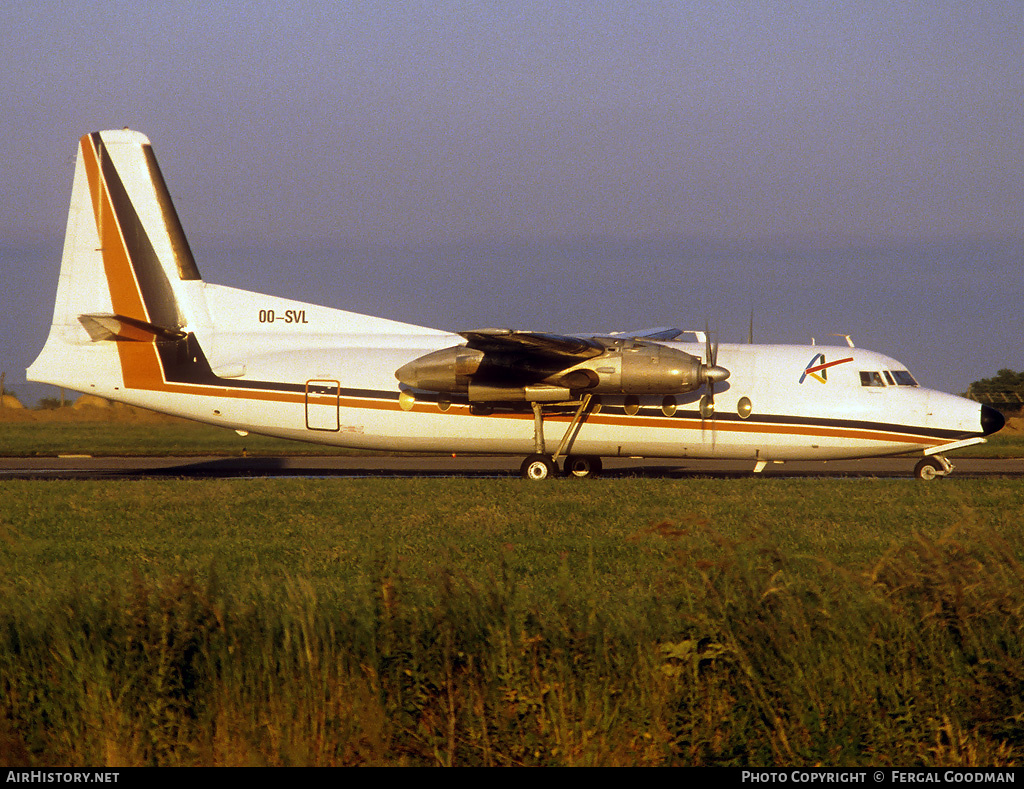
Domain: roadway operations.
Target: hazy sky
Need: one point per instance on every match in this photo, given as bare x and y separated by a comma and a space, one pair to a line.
479, 137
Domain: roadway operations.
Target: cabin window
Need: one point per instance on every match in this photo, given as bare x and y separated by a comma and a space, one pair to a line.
871, 378
904, 378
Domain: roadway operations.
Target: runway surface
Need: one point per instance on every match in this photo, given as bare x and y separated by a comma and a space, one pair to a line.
84, 467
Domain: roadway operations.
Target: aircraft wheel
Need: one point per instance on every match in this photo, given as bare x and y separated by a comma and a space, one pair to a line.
537, 467
582, 466
929, 469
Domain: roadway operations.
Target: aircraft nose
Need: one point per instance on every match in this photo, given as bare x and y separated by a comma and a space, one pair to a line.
991, 420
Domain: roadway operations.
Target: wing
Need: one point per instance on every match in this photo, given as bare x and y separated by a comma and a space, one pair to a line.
515, 366
549, 347
662, 333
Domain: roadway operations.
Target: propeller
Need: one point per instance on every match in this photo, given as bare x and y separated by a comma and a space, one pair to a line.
711, 373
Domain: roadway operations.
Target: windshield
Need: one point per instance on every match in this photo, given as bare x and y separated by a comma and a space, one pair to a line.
892, 378
904, 378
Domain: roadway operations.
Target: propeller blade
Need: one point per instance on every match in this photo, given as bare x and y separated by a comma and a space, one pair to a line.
709, 359
712, 374
707, 402
711, 371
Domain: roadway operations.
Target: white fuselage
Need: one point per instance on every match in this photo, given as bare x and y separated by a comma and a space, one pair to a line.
295, 377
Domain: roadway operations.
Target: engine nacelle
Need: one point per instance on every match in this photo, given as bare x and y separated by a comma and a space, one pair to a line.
447, 370
625, 367
637, 368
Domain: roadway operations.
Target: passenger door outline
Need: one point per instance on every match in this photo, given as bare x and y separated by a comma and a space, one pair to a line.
323, 404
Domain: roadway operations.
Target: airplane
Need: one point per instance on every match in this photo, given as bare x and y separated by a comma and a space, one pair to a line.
135, 322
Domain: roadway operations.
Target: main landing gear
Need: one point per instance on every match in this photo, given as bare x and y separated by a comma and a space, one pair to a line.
541, 465
581, 466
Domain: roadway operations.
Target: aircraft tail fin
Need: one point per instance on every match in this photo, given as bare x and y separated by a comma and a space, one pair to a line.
131, 307
127, 272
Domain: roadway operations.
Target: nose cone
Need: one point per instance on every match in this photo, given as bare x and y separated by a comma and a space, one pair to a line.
991, 420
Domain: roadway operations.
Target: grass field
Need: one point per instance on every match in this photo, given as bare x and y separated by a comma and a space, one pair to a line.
30, 439
1005, 444
741, 622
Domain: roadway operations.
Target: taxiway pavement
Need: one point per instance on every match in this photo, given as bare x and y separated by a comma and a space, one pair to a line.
86, 467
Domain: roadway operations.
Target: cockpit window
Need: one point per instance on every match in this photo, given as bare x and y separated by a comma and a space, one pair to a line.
888, 378
904, 378
871, 378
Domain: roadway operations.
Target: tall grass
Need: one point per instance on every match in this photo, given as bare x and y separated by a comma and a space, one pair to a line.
711, 637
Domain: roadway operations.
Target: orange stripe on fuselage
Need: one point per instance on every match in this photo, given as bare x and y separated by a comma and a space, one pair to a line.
678, 423
708, 425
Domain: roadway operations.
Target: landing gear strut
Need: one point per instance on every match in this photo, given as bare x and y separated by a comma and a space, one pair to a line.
540, 465
935, 464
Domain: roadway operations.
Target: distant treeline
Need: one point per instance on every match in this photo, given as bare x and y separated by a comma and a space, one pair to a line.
1003, 381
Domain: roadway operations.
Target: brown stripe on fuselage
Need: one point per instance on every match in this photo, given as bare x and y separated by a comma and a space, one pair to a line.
684, 423
676, 423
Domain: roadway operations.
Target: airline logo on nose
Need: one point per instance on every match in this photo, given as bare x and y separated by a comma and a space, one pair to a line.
817, 368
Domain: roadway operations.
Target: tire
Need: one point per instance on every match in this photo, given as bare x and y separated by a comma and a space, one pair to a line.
929, 469
537, 467
582, 466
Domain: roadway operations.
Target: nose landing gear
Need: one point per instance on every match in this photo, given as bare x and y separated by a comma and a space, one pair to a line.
933, 467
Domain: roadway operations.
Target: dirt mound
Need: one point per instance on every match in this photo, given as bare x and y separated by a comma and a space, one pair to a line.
87, 408
1015, 424
10, 401
91, 401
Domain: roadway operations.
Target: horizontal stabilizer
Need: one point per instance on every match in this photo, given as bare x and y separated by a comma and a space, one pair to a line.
120, 327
